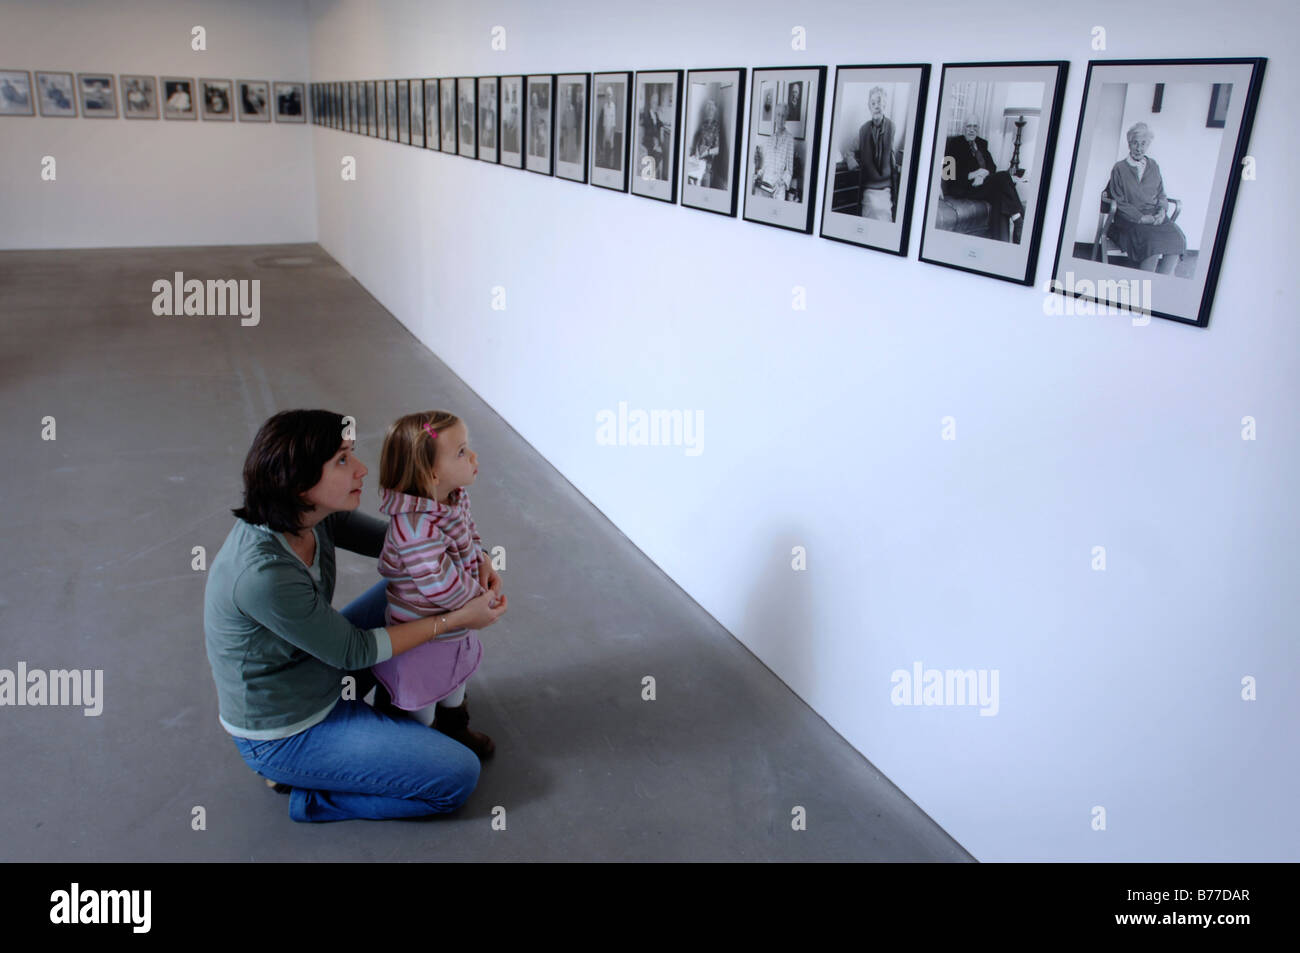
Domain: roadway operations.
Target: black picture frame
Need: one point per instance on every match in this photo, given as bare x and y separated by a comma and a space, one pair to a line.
381, 110
393, 113
416, 95
430, 93
961, 228
608, 160
855, 223
514, 122
767, 200
488, 123
447, 115
654, 169
711, 146
572, 127
404, 111
1106, 272
467, 117
539, 113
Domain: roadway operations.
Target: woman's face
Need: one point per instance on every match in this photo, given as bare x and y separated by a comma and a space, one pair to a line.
340, 482
1137, 145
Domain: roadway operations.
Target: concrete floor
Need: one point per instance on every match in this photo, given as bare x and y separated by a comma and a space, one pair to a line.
154, 416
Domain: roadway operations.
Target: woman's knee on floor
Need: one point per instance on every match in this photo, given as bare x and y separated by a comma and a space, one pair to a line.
453, 782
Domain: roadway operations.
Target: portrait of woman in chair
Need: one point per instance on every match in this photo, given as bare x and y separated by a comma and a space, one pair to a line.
1142, 226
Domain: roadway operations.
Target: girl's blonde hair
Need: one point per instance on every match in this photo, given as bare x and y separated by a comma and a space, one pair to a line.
406, 463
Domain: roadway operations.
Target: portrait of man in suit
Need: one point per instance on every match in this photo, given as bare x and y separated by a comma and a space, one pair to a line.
609, 134
974, 175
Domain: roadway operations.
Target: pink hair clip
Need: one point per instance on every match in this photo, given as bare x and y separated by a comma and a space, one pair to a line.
430, 431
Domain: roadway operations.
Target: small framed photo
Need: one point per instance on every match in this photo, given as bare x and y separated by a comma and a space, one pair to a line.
381, 109
994, 141
447, 114
139, 97
512, 121
781, 171
56, 93
371, 128
1153, 183
16, 97
178, 97
467, 117
354, 107
715, 106
540, 112
417, 113
98, 98
290, 99
217, 97
654, 140
875, 148
394, 117
404, 111
430, 97
572, 90
610, 141
489, 112
254, 98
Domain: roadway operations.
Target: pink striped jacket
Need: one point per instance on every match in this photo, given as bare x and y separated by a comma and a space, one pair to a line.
430, 559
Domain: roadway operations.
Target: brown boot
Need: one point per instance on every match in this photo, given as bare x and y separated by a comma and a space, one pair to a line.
454, 723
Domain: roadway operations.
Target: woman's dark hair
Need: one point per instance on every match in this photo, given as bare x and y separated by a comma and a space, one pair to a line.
284, 462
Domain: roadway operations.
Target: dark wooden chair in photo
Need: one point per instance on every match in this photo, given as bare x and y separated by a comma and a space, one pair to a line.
1102, 247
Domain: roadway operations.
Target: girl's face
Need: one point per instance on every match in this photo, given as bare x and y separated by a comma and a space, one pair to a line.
340, 482
457, 464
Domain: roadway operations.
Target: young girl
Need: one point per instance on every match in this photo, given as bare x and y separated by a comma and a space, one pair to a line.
434, 561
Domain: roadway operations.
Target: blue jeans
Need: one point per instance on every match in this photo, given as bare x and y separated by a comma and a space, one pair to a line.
359, 762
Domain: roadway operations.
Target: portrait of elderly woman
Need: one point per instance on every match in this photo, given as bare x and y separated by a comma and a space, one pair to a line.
1142, 226
709, 149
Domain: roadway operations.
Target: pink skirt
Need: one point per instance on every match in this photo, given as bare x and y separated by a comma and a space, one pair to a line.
421, 676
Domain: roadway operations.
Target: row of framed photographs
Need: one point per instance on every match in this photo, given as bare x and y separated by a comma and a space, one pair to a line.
56, 94
1136, 235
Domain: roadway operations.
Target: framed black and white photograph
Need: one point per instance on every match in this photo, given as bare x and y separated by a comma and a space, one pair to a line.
404, 111
178, 97
381, 109
658, 112
365, 108
715, 108
253, 97
432, 134
354, 107
217, 99
489, 113
289, 102
394, 116
876, 128
512, 121
98, 97
994, 141
139, 96
466, 117
372, 109
781, 167
16, 98
417, 113
610, 142
539, 114
56, 94
447, 118
1153, 182
572, 92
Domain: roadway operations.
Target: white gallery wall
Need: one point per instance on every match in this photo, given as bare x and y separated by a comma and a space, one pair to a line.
133, 182
1118, 690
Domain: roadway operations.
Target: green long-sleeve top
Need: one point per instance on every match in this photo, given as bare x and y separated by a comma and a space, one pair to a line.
277, 648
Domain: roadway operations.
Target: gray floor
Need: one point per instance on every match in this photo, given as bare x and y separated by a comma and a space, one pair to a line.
154, 415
